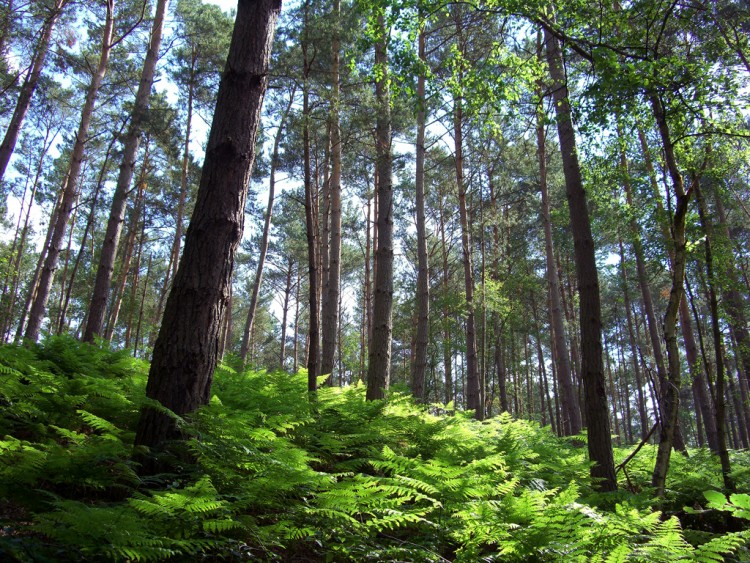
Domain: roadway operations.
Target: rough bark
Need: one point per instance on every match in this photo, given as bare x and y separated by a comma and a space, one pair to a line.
592, 372
186, 350
70, 184
105, 269
379, 365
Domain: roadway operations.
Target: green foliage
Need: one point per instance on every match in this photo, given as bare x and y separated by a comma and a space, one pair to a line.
278, 475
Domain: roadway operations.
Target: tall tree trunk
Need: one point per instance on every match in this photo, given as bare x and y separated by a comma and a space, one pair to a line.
70, 185
447, 340
571, 413
23, 103
592, 372
182, 200
244, 347
670, 394
642, 414
100, 295
313, 336
718, 341
285, 311
330, 310
379, 366
186, 351
421, 341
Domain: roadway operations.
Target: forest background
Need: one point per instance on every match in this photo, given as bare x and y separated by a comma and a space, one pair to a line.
565, 242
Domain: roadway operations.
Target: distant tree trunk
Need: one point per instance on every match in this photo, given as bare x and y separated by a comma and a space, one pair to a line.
670, 395
285, 311
87, 229
186, 351
266, 234
379, 366
447, 341
182, 200
23, 103
100, 295
592, 372
70, 185
642, 415
133, 228
571, 413
726, 468
419, 366
330, 311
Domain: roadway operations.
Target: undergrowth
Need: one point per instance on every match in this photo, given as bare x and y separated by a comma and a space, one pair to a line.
281, 477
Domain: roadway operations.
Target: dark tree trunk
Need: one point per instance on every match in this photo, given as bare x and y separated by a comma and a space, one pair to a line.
379, 366
571, 413
419, 366
330, 309
592, 372
186, 351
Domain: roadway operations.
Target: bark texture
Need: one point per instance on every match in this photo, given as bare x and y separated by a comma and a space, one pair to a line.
379, 366
186, 350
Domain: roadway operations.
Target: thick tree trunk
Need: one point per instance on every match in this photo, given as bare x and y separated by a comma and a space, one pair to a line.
23, 103
379, 366
571, 413
100, 295
70, 185
186, 351
592, 372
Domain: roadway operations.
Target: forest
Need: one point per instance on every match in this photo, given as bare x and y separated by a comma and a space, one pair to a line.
380, 280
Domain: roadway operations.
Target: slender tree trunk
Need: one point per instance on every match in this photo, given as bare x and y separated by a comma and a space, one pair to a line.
592, 372
31, 293
571, 414
447, 341
100, 295
718, 341
642, 414
379, 366
313, 348
23, 103
423, 283
119, 291
285, 311
70, 186
266, 234
330, 312
186, 351
670, 394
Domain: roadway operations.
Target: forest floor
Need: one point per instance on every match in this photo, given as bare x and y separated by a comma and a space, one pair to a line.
268, 473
